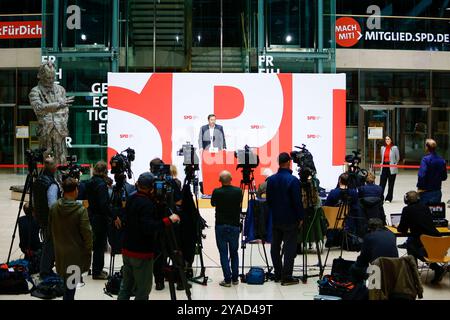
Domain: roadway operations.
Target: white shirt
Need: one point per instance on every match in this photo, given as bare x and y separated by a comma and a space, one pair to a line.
211, 135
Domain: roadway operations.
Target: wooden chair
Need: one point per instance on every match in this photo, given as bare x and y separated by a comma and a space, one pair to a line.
331, 214
436, 248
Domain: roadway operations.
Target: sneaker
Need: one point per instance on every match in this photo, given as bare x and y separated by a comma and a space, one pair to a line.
289, 282
225, 284
159, 286
101, 276
438, 275
387, 201
235, 282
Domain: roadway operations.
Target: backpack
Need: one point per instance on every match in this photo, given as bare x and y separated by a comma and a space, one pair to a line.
112, 285
13, 277
255, 275
50, 288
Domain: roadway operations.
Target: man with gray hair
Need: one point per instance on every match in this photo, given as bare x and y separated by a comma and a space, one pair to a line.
51, 107
45, 193
227, 200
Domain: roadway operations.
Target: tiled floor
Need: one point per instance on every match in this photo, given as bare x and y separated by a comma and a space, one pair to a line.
93, 289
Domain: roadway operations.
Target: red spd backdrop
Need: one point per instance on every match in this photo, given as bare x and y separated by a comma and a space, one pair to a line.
156, 114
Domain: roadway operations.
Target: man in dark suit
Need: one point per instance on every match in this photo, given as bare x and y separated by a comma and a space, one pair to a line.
211, 133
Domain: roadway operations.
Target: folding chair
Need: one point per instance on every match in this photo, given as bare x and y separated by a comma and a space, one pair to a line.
436, 248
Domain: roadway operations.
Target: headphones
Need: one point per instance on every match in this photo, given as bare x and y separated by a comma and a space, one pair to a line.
411, 197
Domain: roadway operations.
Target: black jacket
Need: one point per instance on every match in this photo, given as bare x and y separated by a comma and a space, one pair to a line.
28, 234
97, 194
40, 199
417, 218
141, 225
379, 243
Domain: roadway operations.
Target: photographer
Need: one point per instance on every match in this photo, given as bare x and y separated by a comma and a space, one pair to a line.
343, 194
283, 198
45, 193
140, 226
227, 201
99, 214
175, 200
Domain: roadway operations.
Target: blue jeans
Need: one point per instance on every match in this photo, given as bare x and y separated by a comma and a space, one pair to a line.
227, 240
430, 197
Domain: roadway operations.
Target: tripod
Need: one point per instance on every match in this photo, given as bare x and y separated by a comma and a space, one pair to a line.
311, 215
339, 224
118, 196
191, 179
248, 183
28, 188
171, 250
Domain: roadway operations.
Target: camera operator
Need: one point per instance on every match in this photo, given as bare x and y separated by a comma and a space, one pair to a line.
283, 198
160, 262
140, 226
343, 193
227, 201
45, 193
99, 214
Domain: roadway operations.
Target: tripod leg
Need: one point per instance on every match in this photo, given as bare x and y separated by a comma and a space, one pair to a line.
269, 269
22, 199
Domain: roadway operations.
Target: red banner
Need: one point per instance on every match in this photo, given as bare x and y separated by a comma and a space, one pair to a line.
20, 29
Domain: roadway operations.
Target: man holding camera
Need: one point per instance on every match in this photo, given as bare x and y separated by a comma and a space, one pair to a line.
283, 198
45, 193
99, 213
140, 226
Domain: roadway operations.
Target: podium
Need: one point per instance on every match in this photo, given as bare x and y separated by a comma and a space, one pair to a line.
212, 164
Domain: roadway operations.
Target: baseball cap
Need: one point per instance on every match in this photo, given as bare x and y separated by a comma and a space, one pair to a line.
284, 157
145, 180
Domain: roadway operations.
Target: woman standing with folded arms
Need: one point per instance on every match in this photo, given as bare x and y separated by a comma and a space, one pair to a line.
389, 156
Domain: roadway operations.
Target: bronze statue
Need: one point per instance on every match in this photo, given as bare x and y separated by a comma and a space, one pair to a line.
51, 107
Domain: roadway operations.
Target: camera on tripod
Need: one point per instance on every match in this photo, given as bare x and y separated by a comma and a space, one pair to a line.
354, 159
121, 162
305, 163
357, 176
72, 169
34, 156
163, 180
247, 160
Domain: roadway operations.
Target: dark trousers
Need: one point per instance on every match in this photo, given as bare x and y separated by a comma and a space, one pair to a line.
158, 268
48, 253
100, 231
69, 294
286, 234
386, 176
427, 197
227, 240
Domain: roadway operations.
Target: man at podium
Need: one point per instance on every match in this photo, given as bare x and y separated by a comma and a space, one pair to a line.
211, 137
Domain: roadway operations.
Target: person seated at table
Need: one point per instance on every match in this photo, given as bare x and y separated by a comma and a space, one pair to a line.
371, 199
342, 195
378, 242
416, 217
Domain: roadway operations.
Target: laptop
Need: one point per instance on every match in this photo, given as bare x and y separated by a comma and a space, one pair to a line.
395, 219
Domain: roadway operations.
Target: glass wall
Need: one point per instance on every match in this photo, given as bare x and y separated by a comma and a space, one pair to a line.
410, 106
84, 44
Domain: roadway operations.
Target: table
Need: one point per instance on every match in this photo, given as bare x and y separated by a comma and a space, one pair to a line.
444, 231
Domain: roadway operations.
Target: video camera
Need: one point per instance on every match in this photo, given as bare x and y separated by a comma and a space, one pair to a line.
354, 159
121, 163
305, 162
36, 155
246, 158
163, 180
72, 169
